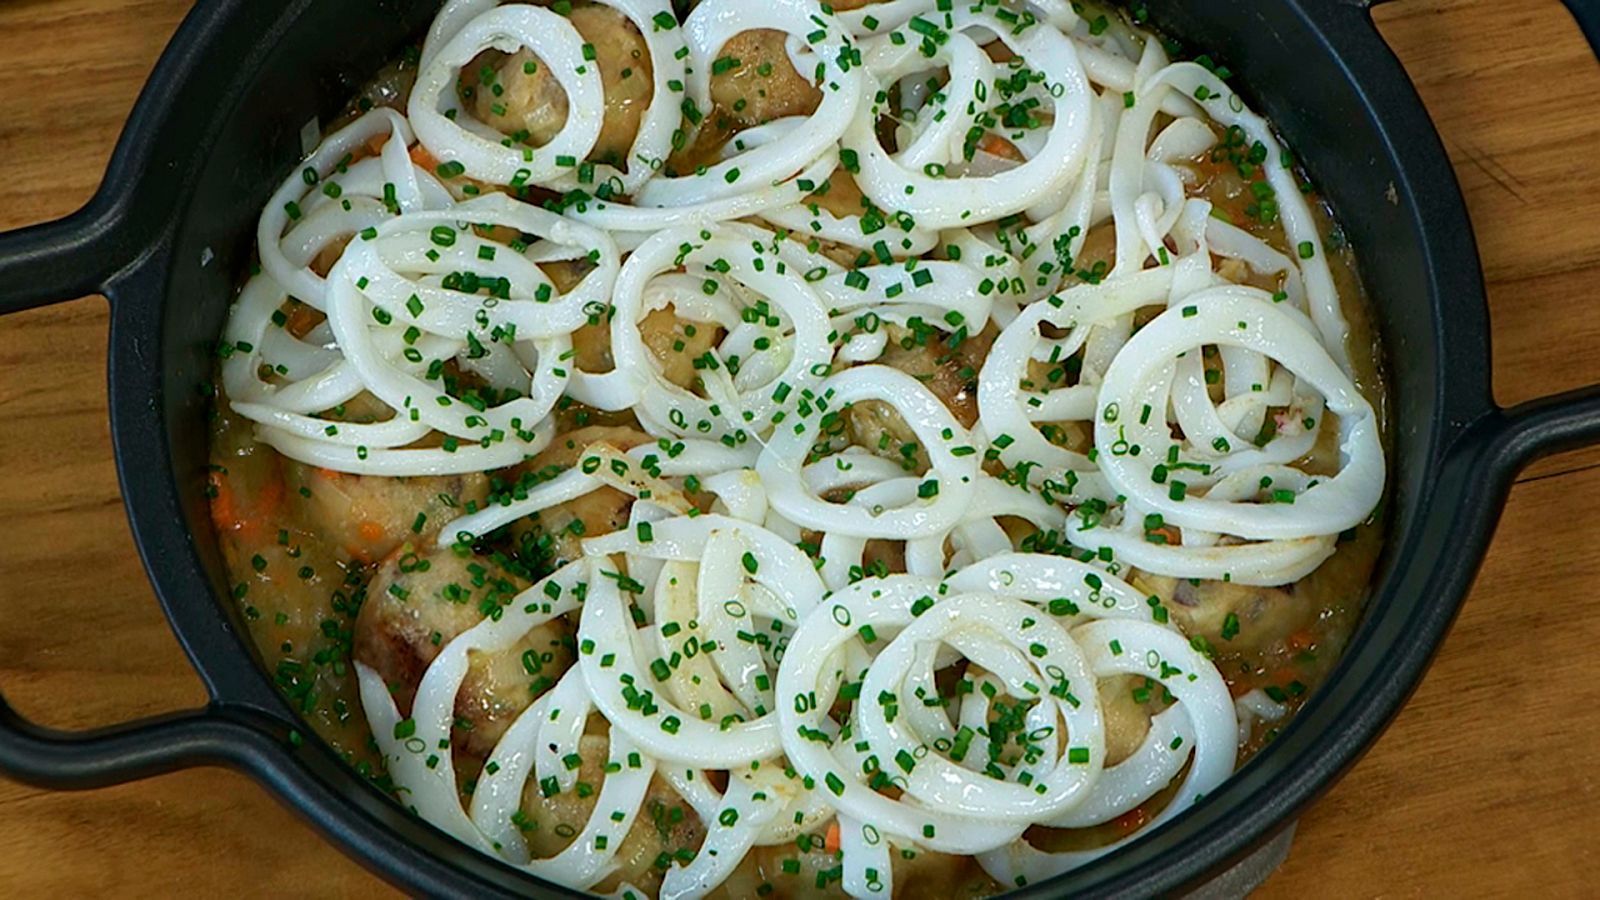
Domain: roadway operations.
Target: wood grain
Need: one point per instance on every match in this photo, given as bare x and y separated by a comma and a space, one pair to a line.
1482, 786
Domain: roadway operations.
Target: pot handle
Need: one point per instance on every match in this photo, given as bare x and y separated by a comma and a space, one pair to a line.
65, 259
61, 760
51, 263
1548, 425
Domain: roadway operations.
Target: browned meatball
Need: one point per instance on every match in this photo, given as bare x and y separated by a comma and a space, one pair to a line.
1127, 716
369, 516
665, 823
842, 196
549, 539
757, 83
946, 366
419, 601
1235, 618
949, 372
876, 426
518, 95
677, 343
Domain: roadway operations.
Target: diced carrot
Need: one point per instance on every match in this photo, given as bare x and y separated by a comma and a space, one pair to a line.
421, 156
370, 533
329, 474
1131, 820
224, 512
998, 146
1171, 533
248, 515
270, 497
302, 318
831, 842
376, 142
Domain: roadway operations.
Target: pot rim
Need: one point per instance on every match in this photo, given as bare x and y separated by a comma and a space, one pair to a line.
1471, 451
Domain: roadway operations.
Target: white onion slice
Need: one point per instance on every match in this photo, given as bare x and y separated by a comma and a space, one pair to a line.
484, 152
1118, 647
708, 29
937, 508
934, 201
1140, 378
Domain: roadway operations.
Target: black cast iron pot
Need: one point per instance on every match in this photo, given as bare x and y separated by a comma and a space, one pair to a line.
219, 126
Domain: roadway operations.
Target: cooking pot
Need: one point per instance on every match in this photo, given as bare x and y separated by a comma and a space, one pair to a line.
219, 126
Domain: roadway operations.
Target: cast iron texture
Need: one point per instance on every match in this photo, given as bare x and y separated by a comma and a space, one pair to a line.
218, 127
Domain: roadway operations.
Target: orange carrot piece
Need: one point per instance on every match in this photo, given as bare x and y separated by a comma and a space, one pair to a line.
421, 156
831, 841
1131, 820
270, 498
998, 146
371, 533
224, 510
302, 318
1171, 533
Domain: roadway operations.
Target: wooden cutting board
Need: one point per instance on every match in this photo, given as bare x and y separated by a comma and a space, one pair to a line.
1485, 785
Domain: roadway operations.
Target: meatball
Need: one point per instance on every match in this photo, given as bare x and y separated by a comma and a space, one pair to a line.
499, 686
757, 83
1127, 716
369, 516
1233, 617
840, 195
947, 367
549, 539
677, 344
591, 346
878, 427
419, 601
665, 823
518, 95
1098, 252
950, 372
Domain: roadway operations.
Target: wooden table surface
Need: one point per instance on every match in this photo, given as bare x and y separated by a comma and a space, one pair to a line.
1484, 786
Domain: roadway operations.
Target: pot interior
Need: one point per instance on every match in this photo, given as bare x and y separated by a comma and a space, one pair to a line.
263, 71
